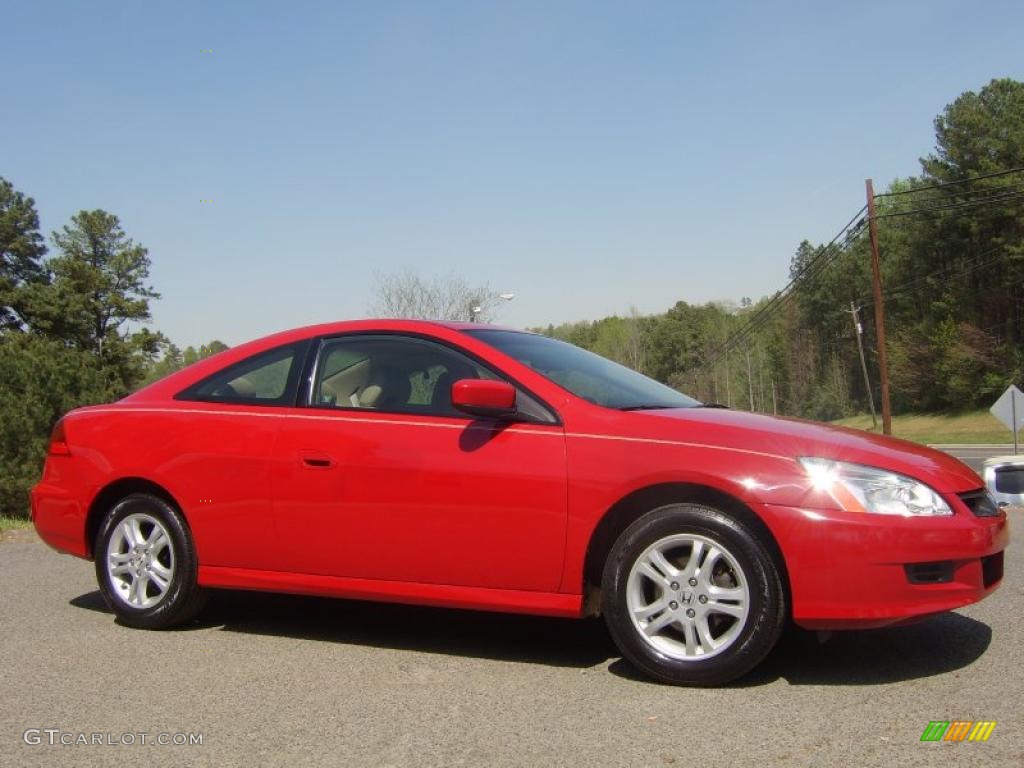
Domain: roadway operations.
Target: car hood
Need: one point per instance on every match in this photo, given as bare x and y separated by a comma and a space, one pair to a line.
794, 438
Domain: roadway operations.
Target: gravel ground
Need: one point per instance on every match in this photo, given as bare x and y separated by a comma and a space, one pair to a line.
275, 680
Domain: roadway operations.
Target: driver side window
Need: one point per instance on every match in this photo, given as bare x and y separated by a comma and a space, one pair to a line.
398, 374
390, 373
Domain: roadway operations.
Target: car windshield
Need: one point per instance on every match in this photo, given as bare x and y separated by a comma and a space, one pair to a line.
586, 375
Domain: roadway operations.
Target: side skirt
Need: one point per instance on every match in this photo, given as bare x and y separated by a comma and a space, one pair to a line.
441, 595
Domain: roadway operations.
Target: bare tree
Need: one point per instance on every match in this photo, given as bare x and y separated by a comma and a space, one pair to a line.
407, 294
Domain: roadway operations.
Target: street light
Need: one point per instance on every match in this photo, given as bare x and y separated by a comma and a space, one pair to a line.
476, 309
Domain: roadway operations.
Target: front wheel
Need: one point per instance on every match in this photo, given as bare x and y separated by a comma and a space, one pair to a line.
146, 564
691, 596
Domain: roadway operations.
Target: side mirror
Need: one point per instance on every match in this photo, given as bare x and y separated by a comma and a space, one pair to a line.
484, 397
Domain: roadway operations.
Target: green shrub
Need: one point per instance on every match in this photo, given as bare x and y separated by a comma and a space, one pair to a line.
40, 381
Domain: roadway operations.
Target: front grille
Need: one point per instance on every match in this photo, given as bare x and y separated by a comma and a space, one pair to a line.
992, 569
930, 573
980, 503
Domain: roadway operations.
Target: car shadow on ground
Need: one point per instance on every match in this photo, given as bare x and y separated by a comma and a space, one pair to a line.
503, 637
940, 645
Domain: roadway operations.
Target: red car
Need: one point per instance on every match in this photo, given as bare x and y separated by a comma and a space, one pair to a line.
463, 465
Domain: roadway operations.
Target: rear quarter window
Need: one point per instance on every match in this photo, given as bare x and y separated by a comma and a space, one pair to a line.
267, 378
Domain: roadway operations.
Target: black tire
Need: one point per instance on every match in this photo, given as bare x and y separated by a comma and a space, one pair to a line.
182, 599
749, 639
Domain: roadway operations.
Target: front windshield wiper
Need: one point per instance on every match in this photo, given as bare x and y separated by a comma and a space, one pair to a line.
711, 405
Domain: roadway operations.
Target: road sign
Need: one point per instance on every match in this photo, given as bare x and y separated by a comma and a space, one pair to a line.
1009, 409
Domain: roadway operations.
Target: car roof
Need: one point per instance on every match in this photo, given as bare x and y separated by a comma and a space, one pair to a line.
390, 323
462, 325
369, 325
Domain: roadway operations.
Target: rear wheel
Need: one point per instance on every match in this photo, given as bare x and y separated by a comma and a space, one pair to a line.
691, 596
146, 564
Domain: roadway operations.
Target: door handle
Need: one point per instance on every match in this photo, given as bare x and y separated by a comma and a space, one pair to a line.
316, 460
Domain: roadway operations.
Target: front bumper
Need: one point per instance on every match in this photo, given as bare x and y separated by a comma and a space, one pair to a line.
850, 570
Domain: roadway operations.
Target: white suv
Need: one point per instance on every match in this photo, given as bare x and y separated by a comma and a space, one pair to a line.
1004, 477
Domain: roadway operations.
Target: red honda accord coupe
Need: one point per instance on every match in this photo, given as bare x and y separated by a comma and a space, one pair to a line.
474, 467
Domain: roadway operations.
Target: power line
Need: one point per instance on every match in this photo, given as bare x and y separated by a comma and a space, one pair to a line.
952, 206
808, 272
829, 253
902, 288
782, 299
943, 184
1007, 186
960, 195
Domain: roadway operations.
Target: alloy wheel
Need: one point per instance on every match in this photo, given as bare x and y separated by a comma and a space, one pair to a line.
140, 561
688, 597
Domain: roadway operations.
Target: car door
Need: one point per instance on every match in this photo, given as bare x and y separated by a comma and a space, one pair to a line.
219, 439
381, 478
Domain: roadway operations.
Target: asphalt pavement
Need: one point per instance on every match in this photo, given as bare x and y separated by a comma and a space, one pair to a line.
274, 680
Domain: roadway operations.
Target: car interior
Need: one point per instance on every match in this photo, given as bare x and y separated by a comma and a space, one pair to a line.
391, 378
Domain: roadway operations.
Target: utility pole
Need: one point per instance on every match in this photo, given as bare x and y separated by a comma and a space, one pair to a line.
750, 380
760, 378
728, 384
876, 272
854, 310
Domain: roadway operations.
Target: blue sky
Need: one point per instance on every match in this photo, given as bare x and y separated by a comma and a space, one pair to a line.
587, 155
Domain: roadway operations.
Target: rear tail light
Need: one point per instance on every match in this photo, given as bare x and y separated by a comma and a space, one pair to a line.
58, 441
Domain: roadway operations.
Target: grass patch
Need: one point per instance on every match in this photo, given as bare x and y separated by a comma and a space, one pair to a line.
14, 523
972, 427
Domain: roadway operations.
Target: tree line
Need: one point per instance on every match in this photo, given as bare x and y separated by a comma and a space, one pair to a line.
952, 264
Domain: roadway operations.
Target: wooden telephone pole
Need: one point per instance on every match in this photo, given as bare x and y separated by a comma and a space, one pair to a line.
750, 381
854, 310
883, 360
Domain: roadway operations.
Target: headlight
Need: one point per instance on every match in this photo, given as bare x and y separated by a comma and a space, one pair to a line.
856, 488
